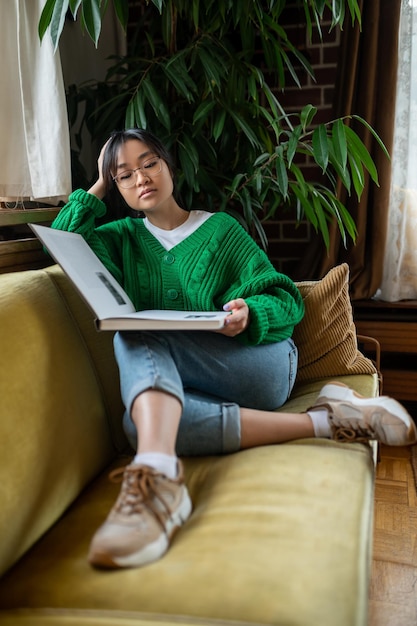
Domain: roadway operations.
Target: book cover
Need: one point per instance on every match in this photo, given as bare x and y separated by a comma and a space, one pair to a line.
109, 302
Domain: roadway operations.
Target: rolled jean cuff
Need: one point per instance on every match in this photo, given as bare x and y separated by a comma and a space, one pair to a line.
152, 384
231, 427
205, 437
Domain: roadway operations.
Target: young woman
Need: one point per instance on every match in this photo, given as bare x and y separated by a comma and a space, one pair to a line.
194, 392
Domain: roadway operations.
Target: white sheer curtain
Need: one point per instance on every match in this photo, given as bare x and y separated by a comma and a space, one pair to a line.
34, 136
400, 262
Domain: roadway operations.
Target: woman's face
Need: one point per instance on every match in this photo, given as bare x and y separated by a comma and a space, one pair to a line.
151, 189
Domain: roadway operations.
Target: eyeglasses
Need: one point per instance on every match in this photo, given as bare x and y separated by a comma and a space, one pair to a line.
151, 167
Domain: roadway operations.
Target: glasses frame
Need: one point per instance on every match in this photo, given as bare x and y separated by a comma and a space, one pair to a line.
139, 169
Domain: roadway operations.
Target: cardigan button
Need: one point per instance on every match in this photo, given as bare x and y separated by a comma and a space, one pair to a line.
169, 259
172, 294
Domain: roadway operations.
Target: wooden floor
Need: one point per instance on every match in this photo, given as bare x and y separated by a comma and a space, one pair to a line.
393, 590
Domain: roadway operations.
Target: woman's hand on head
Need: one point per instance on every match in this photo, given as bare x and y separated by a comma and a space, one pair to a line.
238, 320
99, 187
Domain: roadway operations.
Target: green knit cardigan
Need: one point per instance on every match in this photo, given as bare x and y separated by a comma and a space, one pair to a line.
217, 263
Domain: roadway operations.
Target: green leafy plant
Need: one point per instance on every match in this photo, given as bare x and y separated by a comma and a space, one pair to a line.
205, 77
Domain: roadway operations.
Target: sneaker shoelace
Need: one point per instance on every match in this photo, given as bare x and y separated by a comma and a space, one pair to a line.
139, 490
358, 433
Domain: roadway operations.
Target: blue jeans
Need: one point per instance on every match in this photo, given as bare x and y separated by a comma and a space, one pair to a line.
211, 375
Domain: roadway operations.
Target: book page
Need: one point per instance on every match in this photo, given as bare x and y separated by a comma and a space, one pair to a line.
95, 283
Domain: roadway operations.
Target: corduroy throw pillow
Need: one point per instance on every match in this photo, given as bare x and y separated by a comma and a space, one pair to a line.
326, 337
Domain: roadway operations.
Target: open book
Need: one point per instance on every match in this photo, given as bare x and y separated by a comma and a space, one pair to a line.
106, 298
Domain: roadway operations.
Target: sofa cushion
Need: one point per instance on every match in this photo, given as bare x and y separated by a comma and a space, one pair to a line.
52, 429
326, 337
278, 535
305, 394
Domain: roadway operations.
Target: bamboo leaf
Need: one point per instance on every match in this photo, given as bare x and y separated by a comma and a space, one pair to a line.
57, 21
299, 177
306, 207
247, 205
293, 144
343, 173
276, 107
196, 13
45, 18
159, 4
130, 115
178, 74
355, 12
139, 109
211, 69
374, 134
272, 121
290, 68
274, 202
358, 148
282, 174
192, 151
203, 110
258, 182
343, 217
74, 5
308, 20
338, 11
320, 4
157, 104
259, 77
261, 159
121, 8
298, 210
320, 147
253, 88
303, 61
307, 115
244, 126
331, 204
347, 219
321, 218
166, 28
151, 43
219, 124
278, 65
357, 174
339, 143
235, 183
260, 231
186, 164
91, 18
238, 8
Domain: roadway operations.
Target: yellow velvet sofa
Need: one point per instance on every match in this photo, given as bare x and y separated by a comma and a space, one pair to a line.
278, 535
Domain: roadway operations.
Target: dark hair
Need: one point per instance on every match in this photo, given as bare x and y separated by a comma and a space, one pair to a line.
117, 207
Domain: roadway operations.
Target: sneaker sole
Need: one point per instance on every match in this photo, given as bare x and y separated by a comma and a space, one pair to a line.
153, 551
342, 393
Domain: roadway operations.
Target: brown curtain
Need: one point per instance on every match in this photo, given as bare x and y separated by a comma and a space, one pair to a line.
366, 87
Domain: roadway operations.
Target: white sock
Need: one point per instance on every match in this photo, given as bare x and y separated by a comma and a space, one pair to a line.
163, 463
320, 423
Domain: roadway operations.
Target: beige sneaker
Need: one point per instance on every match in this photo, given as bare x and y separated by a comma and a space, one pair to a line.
357, 419
138, 529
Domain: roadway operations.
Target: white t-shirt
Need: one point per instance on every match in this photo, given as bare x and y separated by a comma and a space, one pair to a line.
170, 238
